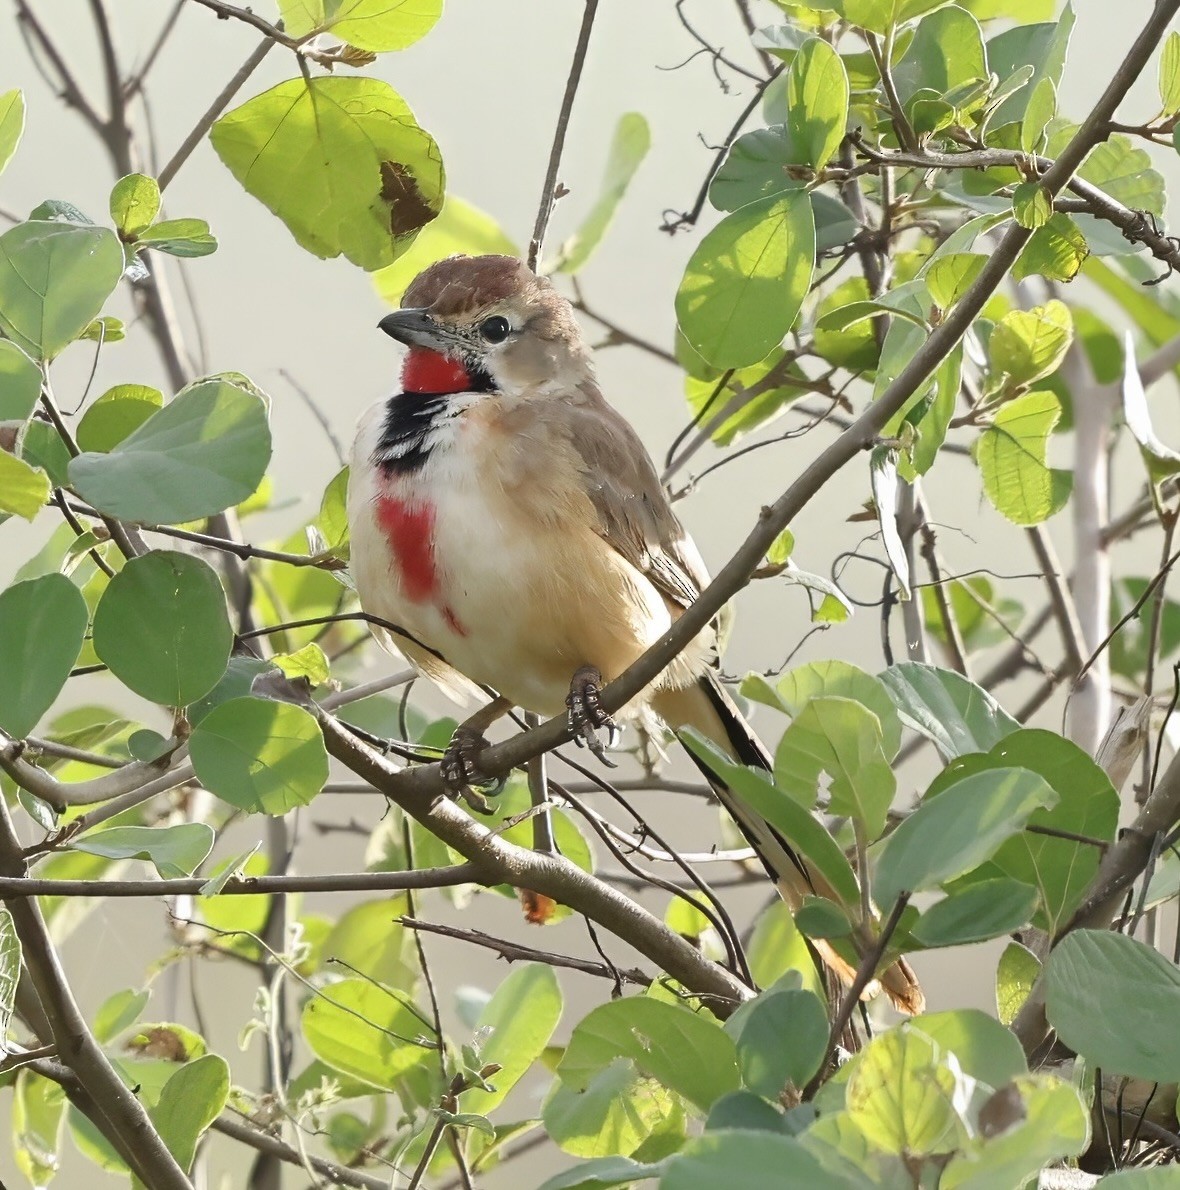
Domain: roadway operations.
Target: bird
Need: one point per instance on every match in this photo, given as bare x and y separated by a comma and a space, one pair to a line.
511, 525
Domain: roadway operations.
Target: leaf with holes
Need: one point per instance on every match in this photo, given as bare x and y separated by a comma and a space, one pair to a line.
341, 161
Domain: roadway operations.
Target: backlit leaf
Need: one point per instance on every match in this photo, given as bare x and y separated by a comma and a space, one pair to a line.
1028, 344
174, 851
341, 161
135, 203
12, 124
116, 414
817, 103
1011, 453
1169, 78
375, 25
24, 489
191, 1100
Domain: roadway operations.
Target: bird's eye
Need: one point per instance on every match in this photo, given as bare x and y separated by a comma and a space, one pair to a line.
494, 329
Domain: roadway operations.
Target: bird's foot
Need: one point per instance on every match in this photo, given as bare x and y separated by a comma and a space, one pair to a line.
586, 716
461, 773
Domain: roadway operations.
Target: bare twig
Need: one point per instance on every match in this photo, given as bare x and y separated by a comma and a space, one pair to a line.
549, 189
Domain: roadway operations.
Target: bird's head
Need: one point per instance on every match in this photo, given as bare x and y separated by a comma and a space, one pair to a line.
477, 323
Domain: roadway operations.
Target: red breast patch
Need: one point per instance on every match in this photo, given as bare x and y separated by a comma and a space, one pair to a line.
427, 371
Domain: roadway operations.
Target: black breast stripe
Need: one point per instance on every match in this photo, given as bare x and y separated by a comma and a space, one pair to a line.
405, 442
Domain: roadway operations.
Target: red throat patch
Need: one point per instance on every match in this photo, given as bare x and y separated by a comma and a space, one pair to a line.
427, 371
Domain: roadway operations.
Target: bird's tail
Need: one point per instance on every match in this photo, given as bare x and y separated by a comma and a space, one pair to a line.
710, 710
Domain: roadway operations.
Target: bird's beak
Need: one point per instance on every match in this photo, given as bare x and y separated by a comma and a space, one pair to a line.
416, 328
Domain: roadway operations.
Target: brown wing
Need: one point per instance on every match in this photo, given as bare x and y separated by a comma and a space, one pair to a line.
633, 513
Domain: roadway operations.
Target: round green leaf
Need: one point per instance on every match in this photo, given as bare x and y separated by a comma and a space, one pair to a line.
363, 1030
119, 412
191, 1100
956, 831
341, 161
161, 627
741, 1160
746, 280
24, 489
1107, 996
42, 624
135, 203
688, 1053
54, 279
174, 851
782, 1037
260, 755
984, 1048
374, 25
20, 383
204, 452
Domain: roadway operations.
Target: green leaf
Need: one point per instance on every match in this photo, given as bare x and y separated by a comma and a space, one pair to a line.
1159, 1177
135, 203
842, 738
759, 164
949, 277
42, 625
1169, 78
1011, 453
24, 489
947, 708
374, 25
1050, 1123
758, 394
1042, 107
781, 549
118, 413
366, 1031
1031, 205
957, 831
900, 1094
10, 956
459, 228
602, 1174
1056, 251
879, 16
1016, 974
204, 452
260, 756
777, 946
746, 281
1028, 344
308, 662
1042, 47
785, 814
12, 124
38, 1114
1117, 166
119, 1012
191, 1100
44, 448
946, 52
162, 628
179, 237
781, 1038
1106, 995
817, 917
883, 477
54, 279
1157, 325
748, 1160
341, 161
369, 938
820, 678
20, 383
174, 851
628, 148
617, 1113
518, 1022
983, 1048
1061, 868
980, 911
817, 103
688, 1053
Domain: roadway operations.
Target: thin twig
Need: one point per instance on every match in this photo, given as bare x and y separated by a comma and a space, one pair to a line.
549, 189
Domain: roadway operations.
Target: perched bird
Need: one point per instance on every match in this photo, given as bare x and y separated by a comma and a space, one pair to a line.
510, 522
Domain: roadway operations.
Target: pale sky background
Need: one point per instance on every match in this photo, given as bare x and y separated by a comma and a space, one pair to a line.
486, 82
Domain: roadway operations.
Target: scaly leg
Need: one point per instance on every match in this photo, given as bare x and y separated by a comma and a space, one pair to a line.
586, 716
460, 762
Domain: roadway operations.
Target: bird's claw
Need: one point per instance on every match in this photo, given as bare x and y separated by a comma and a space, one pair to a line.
587, 717
461, 773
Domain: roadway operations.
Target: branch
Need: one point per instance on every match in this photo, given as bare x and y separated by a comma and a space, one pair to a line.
1060, 599
549, 190
244, 886
514, 950
70, 92
215, 109
118, 1108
